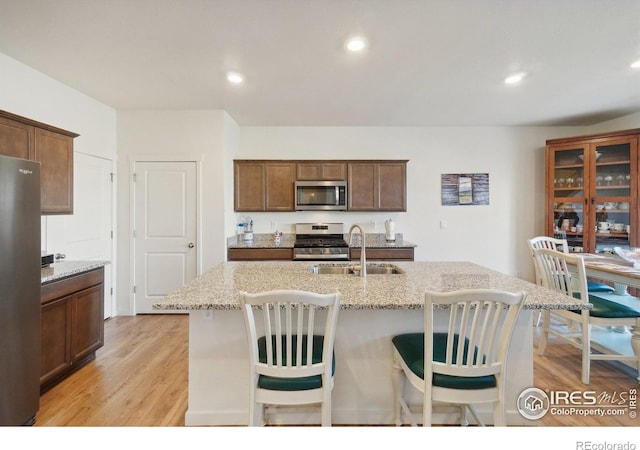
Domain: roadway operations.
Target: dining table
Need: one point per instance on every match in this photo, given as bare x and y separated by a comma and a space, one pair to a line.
623, 274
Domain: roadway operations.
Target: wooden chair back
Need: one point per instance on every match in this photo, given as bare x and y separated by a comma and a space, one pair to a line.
291, 335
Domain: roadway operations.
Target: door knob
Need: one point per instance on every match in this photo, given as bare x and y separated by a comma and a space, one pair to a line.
191, 245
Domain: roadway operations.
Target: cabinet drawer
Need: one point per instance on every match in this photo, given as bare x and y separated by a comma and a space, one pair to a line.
67, 286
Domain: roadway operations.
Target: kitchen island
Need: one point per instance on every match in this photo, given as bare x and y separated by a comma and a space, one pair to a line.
373, 310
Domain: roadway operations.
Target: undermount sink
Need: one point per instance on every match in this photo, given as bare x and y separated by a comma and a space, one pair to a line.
332, 270
372, 269
382, 270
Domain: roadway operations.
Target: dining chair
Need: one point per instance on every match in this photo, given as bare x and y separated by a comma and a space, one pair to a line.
291, 334
566, 273
544, 242
460, 360
559, 245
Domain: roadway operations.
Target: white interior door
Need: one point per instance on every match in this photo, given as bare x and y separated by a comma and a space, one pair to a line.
164, 231
87, 233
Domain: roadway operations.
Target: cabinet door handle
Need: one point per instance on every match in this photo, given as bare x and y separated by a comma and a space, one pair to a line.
191, 245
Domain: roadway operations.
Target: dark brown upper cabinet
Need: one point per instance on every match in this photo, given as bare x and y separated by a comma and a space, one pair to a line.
52, 147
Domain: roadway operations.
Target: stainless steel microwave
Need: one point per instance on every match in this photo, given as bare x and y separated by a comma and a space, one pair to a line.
321, 195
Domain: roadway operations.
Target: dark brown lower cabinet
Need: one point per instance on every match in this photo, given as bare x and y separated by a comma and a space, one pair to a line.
72, 325
384, 254
286, 254
259, 254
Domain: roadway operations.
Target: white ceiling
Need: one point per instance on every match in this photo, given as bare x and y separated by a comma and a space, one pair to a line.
430, 62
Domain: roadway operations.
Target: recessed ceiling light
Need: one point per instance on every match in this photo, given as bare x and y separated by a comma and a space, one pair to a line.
515, 78
235, 77
356, 44
635, 65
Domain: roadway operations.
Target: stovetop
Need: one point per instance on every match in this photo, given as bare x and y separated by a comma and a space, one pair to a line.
324, 242
321, 235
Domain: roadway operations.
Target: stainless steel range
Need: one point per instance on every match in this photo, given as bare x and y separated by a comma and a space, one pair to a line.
320, 241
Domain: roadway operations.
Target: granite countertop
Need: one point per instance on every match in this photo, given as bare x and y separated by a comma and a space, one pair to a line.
64, 269
266, 240
218, 288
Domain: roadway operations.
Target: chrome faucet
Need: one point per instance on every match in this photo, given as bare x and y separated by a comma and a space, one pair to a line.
363, 258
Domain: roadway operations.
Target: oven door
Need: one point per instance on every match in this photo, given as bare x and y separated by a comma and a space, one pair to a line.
321, 195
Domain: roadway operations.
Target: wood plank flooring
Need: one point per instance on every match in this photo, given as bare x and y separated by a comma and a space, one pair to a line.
139, 379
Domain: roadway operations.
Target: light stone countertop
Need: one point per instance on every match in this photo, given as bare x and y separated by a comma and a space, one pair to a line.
64, 269
218, 288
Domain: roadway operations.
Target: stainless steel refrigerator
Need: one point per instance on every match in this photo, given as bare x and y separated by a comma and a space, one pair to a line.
19, 291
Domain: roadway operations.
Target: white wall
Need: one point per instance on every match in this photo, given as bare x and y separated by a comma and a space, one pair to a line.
171, 135
31, 94
628, 122
492, 235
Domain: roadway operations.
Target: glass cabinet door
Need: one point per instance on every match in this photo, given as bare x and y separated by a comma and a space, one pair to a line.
613, 199
591, 191
570, 184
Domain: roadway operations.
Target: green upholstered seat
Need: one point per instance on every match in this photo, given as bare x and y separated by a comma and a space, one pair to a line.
292, 384
411, 349
594, 286
606, 308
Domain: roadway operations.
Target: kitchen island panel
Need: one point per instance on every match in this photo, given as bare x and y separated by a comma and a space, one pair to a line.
363, 392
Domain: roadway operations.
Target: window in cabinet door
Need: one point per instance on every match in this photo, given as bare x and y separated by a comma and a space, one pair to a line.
569, 174
570, 184
613, 198
568, 222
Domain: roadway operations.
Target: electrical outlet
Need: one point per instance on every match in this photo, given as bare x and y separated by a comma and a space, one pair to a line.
443, 224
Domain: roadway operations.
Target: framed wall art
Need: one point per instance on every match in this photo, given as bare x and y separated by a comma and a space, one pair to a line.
465, 189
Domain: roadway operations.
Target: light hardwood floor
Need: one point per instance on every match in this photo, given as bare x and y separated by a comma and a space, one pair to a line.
139, 378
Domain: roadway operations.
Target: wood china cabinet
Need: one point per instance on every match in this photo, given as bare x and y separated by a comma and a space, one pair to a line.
592, 191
